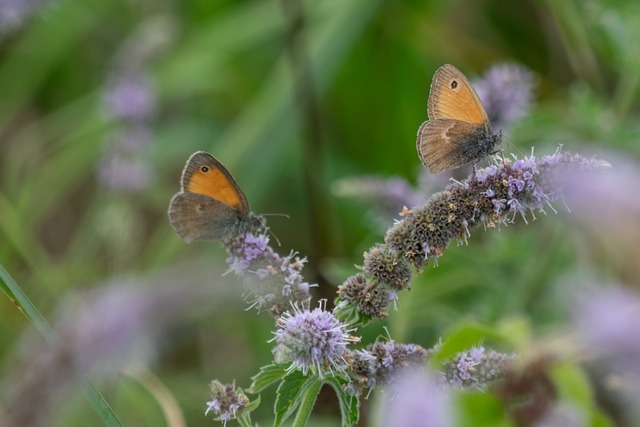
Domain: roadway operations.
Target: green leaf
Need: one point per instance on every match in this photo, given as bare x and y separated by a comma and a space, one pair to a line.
252, 405
572, 384
476, 409
267, 376
349, 404
24, 304
289, 394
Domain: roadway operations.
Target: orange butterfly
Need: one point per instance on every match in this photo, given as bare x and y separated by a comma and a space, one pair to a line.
458, 130
210, 204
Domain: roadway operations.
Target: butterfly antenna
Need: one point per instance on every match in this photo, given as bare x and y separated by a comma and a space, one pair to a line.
271, 232
515, 145
276, 214
275, 237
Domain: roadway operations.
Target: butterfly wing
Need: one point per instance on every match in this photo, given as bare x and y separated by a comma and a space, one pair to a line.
205, 175
447, 143
198, 217
452, 97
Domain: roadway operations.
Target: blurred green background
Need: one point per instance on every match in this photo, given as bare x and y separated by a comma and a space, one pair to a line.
228, 77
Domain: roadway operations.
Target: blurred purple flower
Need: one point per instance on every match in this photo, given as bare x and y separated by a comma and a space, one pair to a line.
101, 333
608, 320
415, 399
562, 415
607, 206
120, 173
506, 91
476, 368
129, 97
13, 13
130, 104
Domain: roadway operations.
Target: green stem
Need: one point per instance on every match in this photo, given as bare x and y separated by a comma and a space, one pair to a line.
308, 401
245, 420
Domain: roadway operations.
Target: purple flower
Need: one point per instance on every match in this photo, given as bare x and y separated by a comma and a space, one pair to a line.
120, 173
562, 415
379, 362
475, 368
414, 399
608, 321
274, 282
13, 13
312, 340
496, 194
506, 91
226, 401
129, 96
255, 245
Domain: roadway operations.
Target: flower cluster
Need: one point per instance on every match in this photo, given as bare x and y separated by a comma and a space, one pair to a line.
379, 362
476, 368
384, 264
360, 300
274, 281
495, 194
130, 104
312, 340
226, 401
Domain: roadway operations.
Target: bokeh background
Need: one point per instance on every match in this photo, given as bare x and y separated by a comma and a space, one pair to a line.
102, 102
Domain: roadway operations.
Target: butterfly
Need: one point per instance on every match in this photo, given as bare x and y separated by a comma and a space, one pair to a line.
458, 130
210, 204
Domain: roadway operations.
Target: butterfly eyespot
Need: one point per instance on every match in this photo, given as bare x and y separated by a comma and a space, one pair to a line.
454, 84
204, 168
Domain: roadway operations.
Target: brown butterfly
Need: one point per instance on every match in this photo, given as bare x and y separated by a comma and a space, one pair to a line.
210, 204
458, 130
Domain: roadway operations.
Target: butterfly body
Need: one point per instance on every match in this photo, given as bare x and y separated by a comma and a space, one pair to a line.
458, 130
210, 204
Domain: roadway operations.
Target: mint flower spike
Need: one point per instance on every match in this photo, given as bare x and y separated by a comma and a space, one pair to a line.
273, 282
494, 195
312, 341
226, 402
381, 361
476, 368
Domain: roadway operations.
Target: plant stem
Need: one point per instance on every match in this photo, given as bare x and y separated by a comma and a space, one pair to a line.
308, 401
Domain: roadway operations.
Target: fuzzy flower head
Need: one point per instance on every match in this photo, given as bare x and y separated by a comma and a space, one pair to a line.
226, 401
360, 300
381, 361
273, 282
383, 263
475, 368
312, 340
